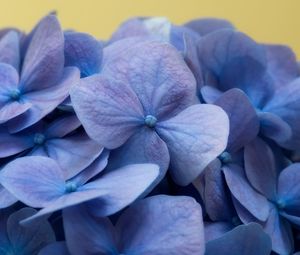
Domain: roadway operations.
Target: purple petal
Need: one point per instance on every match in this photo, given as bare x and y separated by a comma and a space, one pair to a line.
36, 181
45, 101
274, 127
246, 239
96, 233
208, 25
108, 109
57, 248
73, 153
280, 232
114, 194
29, 239
162, 225
63, 126
6, 198
194, 138
10, 49
286, 104
44, 59
83, 51
282, 64
216, 198
145, 146
165, 86
288, 190
214, 230
244, 124
260, 167
210, 94
234, 60
253, 201
13, 144
93, 169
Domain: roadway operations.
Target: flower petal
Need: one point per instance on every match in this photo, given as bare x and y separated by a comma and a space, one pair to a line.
28, 239
145, 146
108, 109
247, 239
44, 101
10, 49
57, 248
96, 233
165, 86
253, 201
289, 190
34, 180
260, 167
280, 232
44, 59
6, 198
208, 25
162, 225
214, 230
112, 193
274, 127
194, 138
244, 124
83, 51
73, 153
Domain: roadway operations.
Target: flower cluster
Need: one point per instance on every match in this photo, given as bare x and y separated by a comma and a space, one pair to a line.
164, 140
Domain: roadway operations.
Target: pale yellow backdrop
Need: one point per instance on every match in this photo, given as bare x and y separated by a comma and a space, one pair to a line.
272, 21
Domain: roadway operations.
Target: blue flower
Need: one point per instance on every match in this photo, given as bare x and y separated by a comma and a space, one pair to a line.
41, 183
23, 240
43, 82
156, 225
144, 103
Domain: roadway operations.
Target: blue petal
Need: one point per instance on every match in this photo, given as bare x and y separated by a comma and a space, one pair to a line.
57, 248
162, 225
194, 139
10, 49
242, 240
83, 51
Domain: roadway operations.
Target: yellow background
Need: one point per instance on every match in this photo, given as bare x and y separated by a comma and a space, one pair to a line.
272, 21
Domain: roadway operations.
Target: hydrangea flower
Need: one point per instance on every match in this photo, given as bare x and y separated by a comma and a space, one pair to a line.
156, 225
239, 62
246, 239
266, 194
43, 82
150, 112
39, 182
23, 240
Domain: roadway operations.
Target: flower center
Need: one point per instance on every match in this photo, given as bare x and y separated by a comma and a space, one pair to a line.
15, 94
225, 157
150, 121
39, 138
70, 187
280, 203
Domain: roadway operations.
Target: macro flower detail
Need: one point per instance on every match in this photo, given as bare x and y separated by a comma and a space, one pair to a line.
130, 104
45, 184
157, 225
43, 82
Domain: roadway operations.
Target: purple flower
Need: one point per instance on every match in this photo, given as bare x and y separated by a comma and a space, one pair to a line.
156, 225
39, 182
149, 111
43, 82
18, 239
246, 239
266, 194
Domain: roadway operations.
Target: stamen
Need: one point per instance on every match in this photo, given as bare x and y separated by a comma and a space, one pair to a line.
150, 121
70, 187
225, 157
280, 204
15, 94
39, 138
